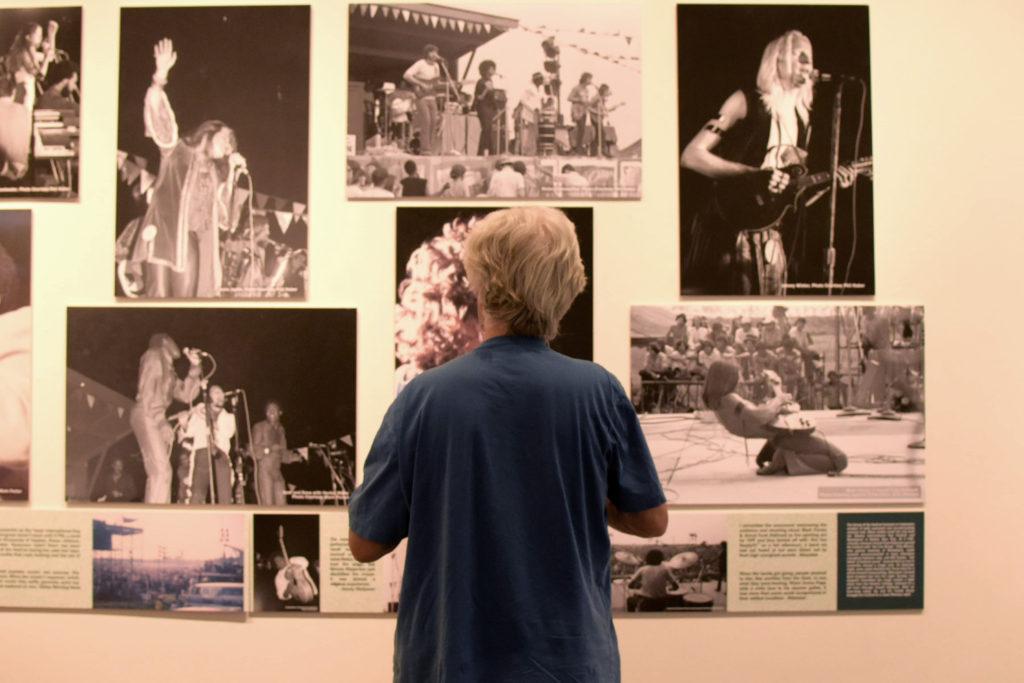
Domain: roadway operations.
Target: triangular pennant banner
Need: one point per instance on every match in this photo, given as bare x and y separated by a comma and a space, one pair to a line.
146, 180
90, 400
284, 220
433, 21
298, 209
121, 157
120, 413
406, 14
461, 23
373, 10
132, 173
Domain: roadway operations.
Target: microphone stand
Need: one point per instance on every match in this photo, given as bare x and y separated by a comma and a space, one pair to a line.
837, 115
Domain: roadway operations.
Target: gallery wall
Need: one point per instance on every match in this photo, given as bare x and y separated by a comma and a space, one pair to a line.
946, 136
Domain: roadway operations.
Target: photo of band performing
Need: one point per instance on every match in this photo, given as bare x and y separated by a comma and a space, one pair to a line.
286, 552
684, 570
40, 91
213, 140
436, 316
258, 410
169, 562
775, 148
459, 102
736, 401
15, 353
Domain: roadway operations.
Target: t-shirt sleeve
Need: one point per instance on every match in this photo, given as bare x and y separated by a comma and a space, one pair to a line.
633, 484
379, 509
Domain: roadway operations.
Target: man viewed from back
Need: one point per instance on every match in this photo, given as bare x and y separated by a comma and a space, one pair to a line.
504, 468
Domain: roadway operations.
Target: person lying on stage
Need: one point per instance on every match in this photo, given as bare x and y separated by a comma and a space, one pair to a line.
791, 453
270, 449
176, 244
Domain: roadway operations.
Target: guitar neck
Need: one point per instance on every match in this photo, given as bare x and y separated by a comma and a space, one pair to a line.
812, 179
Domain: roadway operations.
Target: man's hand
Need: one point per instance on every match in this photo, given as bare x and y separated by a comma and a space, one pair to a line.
165, 58
237, 161
846, 176
778, 182
193, 356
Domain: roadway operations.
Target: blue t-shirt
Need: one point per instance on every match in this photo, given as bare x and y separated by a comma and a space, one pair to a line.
497, 466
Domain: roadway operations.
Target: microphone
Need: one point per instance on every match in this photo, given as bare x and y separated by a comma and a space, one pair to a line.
189, 349
233, 392
821, 77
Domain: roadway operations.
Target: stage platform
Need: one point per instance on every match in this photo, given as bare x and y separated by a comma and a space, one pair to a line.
607, 178
699, 463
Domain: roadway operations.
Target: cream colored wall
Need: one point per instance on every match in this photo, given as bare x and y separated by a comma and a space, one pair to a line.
949, 202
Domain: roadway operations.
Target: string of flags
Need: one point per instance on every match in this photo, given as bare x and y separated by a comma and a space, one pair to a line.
627, 61
542, 28
134, 172
400, 13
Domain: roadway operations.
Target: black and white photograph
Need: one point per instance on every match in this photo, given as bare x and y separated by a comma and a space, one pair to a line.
213, 153
169, 561
684, 570
286, 552
436, 312
204, 405
782, 405
775, 185
497, 100
15, 353
40, 92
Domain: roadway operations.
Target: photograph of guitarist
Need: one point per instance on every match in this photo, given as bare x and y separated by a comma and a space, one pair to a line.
158, 387
425, 76
766, 128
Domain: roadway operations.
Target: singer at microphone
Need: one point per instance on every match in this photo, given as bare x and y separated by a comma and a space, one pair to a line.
485, 103
761, 132
178, 243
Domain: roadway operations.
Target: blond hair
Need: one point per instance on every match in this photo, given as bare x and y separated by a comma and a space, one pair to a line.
769, 76
524, 265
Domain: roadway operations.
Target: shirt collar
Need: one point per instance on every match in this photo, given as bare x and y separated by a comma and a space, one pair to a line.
521, 341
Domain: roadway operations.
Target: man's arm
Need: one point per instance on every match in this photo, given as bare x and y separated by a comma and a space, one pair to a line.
699, 156
159, 119
650, 523
365, 550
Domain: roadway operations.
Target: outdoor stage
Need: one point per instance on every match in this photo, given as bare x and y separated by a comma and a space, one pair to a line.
699, 463
608, 178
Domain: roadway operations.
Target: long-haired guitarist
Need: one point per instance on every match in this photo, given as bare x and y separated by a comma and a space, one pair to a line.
758, 134
425, 77
791, 446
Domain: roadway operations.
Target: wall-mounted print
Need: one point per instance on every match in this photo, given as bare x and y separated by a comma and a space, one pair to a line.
167, 561
194, 406
286, 557
501, 101
40, 91
782, 405
436, 313
213, 149
15, 353
775, 147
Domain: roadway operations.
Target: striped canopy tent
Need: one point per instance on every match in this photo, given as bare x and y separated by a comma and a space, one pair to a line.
384, 40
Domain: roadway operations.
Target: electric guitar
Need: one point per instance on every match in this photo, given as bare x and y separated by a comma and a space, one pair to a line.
300, 585
745, 203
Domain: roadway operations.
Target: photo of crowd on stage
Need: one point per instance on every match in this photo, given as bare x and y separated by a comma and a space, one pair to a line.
452, 103
728, 391
250, 415
212, 165
40, 95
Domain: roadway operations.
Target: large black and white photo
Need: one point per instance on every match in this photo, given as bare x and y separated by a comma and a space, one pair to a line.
775, 148
169, 562
737, 401
206, 405
213, 147
436, 312
40, 91
286, 553
15, 353
683, 570
505, 101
